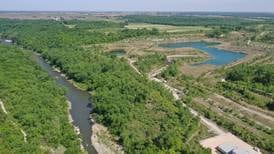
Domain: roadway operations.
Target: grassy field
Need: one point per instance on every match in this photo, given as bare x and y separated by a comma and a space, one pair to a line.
168, 28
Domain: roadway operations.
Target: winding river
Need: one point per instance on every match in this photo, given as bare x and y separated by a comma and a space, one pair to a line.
218, 56
81, 104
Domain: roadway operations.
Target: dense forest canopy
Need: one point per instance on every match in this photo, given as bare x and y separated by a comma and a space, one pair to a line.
34, 104
142, 113
42, 34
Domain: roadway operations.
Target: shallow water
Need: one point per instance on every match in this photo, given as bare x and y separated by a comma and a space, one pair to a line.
81, 104
219, 57
118, 52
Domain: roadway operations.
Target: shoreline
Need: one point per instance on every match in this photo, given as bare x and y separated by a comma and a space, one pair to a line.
76, 129
98, 131
103, 141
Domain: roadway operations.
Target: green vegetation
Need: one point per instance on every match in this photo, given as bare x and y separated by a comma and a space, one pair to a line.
149, 62
39, 35
189, 20
11, 139
34, 104
140, 112
251, 83
265, 141
219, 32
142, 115
171, 71
247, 80
267, 37
238, 124
261, 33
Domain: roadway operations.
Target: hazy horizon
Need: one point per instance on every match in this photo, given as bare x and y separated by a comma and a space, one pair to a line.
265, 6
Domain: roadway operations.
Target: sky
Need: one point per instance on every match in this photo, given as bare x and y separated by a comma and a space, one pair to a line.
139, 5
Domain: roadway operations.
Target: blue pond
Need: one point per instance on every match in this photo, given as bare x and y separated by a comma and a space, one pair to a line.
219, 57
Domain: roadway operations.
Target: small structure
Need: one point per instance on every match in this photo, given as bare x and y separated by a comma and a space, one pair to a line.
230, 148
8, 41
223, 80
226, 148
228, 143
56, 18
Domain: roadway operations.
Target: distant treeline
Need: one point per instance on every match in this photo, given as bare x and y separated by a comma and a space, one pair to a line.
190, 20
41, 34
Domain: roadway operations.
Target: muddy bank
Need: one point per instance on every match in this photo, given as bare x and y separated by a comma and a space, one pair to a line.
103, 141
76, 129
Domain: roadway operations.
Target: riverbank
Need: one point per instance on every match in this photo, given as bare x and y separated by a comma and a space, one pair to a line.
79, 104
79, 86
76, 129
103, 141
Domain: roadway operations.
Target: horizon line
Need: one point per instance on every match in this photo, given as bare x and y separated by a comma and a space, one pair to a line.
136, 11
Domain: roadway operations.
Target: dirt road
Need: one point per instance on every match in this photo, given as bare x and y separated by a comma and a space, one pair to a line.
130, 61
246, 109
208, 123
5, 111
176, 94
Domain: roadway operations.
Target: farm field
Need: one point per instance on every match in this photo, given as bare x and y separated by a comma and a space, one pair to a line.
168, 28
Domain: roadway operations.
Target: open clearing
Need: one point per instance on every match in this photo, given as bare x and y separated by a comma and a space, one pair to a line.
214, 142
167, 28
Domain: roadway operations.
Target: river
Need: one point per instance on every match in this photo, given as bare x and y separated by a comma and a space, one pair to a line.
81, 104
218, 56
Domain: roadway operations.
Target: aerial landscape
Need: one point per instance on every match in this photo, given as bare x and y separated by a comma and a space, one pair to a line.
86, 77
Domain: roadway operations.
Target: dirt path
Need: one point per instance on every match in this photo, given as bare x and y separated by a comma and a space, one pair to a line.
5, 111
132, 65
24, 134
3, 107
22, 131
154, 73
177, 94
246, 109
192, 136
212, 126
